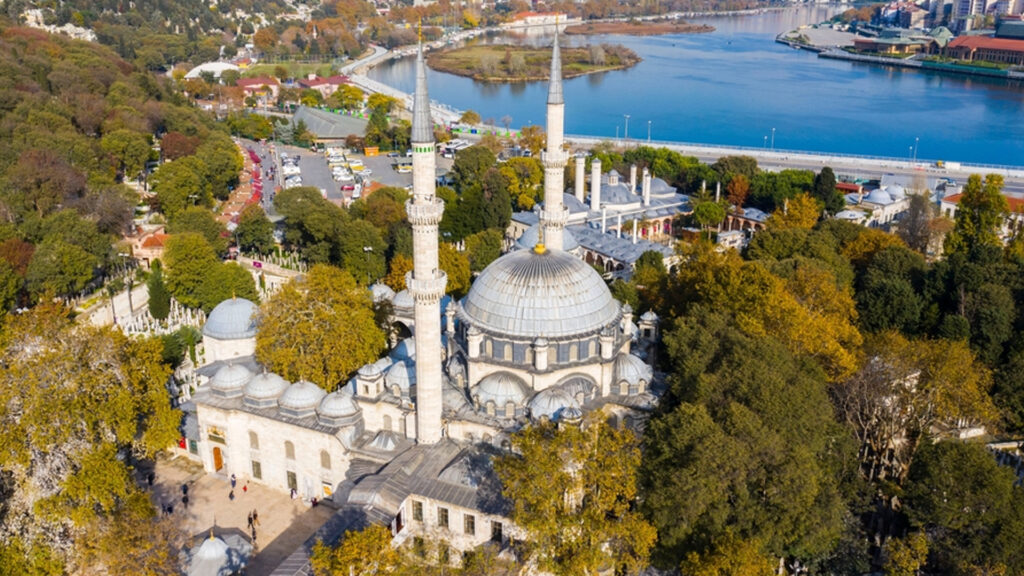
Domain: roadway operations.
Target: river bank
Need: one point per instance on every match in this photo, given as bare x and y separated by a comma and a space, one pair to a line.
510, 63
639, 28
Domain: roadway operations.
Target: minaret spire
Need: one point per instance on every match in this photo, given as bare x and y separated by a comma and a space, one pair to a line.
426, 282
554, 214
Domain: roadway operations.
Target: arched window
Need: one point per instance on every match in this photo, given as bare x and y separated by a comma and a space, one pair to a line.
325, 460
254, 440
510, 409
490, 408
289, 450
387, 423
623, 388
574, 352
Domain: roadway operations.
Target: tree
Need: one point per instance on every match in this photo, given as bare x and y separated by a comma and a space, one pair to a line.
802, 211
969, 507
255, 232
179, 184
921, 225
532, 138
265, 39
190, 260
906, 556
226, 280
360, 552
60, 268
708, 214
573, 491
129, 149
470, 165
400, 265
729, 556
136, 540
483, 248
737, 190
363, 251
469, 117
381, 102
346, 97
319, 327
201, 221
824, 191
979, 215
176, 145
159, 296
87, 399
456, 265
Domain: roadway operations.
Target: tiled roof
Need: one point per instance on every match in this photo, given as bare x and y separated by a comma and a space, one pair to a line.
987, 42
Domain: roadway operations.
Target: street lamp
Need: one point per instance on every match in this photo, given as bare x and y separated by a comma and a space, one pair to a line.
773, 138
765, 146
366, 253
916, 140
648, 131
616, 131
625, 133
910, 152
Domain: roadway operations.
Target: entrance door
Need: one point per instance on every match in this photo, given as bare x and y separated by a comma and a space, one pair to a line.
218, 459
292, 481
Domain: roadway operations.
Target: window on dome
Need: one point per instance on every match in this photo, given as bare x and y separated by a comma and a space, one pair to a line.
510, 409
325, 460
574, 352
289, 450
490, 408
254, 440
623, 388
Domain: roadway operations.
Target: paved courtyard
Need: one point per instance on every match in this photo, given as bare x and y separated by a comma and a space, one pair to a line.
284, 523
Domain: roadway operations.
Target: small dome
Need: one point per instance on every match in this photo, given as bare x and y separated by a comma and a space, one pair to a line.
896, 191
524, 294
401, 374
578, 385
851, 215
265, 386
337, 404
233, 319
549, 403
381, 292
529, 239
879, 196
231, 378
374, 369
403, 300
405, 350
571, 414
661, 188
501, 388
213, 549
631, 369
649, 316
303, 395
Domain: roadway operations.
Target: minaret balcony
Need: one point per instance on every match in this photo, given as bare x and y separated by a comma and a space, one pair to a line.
557, 158
424, 213
556, 217
427, 289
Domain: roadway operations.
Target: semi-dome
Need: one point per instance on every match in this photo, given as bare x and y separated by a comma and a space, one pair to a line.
401, 374
524, 294
500, 388
631, 369
380, 292
232, 319
262, 391
550, 402
529, 239
405, 350
230, 379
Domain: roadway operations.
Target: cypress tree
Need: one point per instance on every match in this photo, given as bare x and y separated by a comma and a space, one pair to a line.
159, 297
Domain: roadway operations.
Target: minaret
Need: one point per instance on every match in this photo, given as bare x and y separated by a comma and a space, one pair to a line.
426, 282
554, 215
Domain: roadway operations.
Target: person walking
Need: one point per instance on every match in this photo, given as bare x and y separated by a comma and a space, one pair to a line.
246, 487
248, 521
233, 481
231, 495
255, 517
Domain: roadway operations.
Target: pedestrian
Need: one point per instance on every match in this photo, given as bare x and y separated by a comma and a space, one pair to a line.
184, 489
255, 517
233, 481
231, 495
248, 520
170, 508
246, 487
293, 493
184, 501
149, 479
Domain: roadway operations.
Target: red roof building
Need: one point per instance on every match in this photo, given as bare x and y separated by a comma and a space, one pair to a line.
988, 49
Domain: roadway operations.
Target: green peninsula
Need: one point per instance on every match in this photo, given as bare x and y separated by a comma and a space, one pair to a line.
508, 63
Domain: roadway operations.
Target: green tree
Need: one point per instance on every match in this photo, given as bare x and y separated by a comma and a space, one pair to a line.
129, 150
824, 191
456, 265
483, 248
226, 280
470, 166
979, 215
201, 221
179, 184
60, 268
223, 163
311, 223
708, 214
255, 232
159, 296
346, 97
363, 251
190, 260
574, 492
319, 327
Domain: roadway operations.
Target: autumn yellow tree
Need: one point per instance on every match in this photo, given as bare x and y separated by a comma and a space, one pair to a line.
729, 556
364, 552
800, 211
395, 279
319, 327
456, 265
573, 491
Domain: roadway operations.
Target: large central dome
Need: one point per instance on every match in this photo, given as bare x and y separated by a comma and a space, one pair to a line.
529, 295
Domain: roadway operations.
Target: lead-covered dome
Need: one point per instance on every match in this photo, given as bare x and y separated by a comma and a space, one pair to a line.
232, 319
529, 295
230, 379
500, 388
301, 398
262, 391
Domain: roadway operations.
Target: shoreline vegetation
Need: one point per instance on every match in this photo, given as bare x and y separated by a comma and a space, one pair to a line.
509, 63
639, 27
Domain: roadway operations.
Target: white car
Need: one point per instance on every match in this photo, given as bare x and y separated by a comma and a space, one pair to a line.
365, 172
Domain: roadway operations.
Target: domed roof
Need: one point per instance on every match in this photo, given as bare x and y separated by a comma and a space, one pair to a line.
529, 295
403, 300
896, 191
230, 378
337, 404
381, 291
501, 388
631, 369
232, 319
550, 402
661, 188
302, 395
213, 548
529, 239
266, 386
405, 350
878, 196
401, 374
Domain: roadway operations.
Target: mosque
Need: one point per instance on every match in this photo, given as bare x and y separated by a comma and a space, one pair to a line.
408, 441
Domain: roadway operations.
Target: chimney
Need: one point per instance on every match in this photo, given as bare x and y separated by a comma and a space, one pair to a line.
595, 184
634, 231
646, 186
632, 178
581, 177
718, 191
618, 230
604, 219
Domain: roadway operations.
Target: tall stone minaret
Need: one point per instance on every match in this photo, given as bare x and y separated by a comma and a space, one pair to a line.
426, 282
554, 215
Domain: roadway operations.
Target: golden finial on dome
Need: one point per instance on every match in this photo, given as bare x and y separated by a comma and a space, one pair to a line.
539, 248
